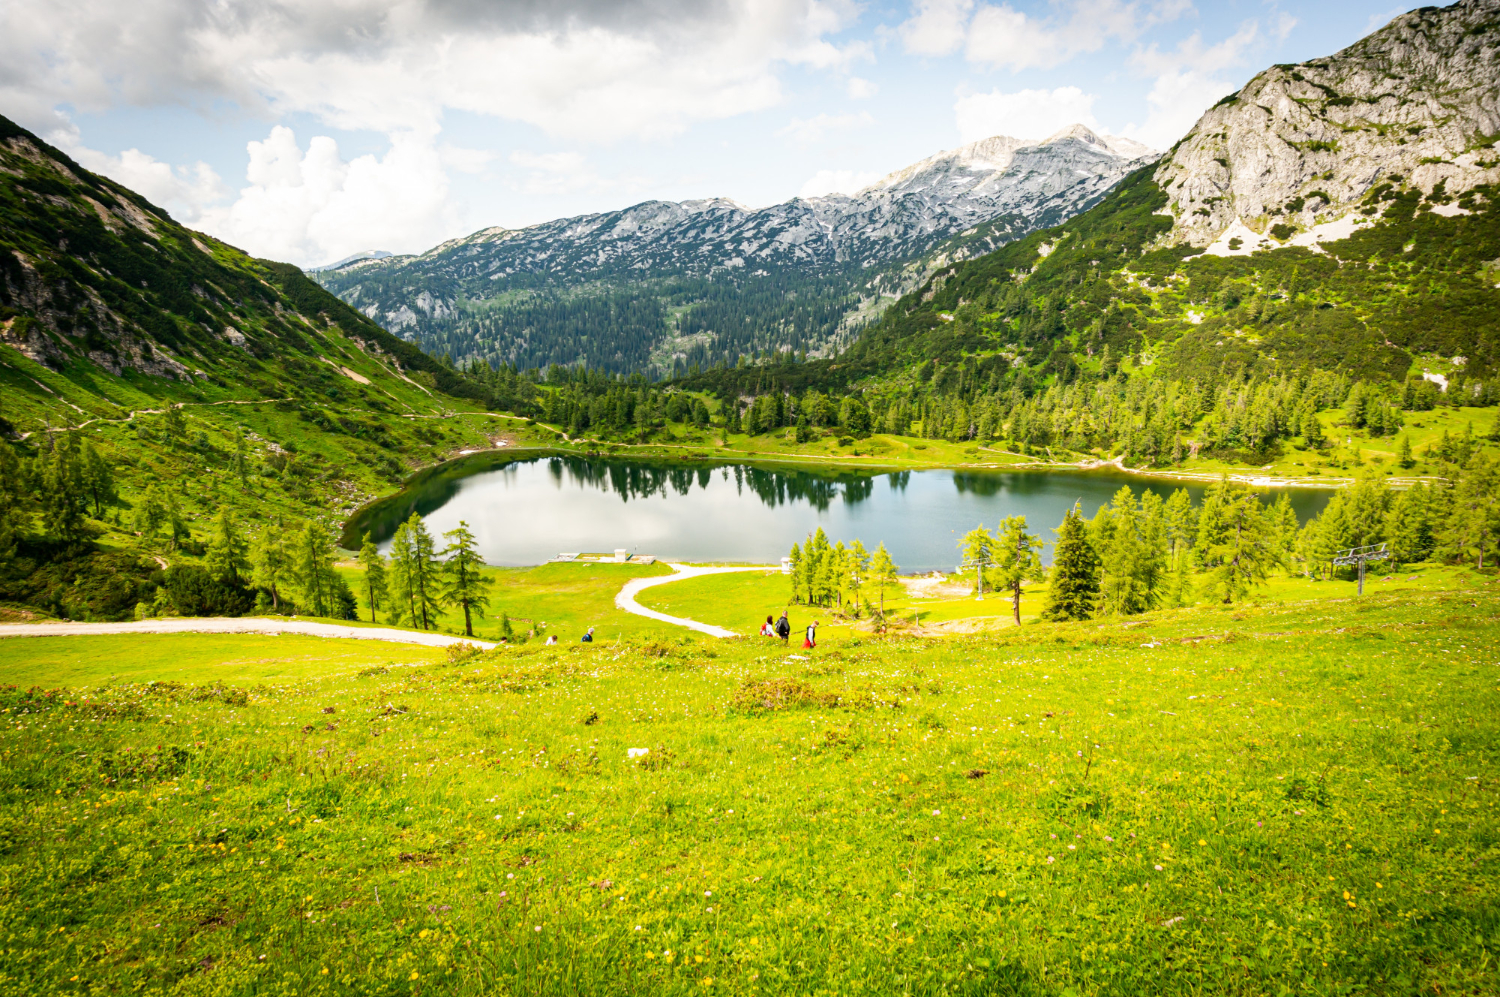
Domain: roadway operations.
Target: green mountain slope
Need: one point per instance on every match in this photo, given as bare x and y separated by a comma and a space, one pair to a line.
1138, 329
199, 377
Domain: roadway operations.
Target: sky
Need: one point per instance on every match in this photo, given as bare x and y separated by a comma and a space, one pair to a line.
309, 130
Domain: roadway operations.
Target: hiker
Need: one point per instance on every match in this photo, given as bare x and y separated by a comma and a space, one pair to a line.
768, 629
783, 627
812, 636
552, 639
588, 638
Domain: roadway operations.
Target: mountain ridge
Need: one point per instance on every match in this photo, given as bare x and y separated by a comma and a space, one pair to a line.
834, 250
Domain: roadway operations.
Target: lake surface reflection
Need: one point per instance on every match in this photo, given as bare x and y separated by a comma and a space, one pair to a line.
524, 511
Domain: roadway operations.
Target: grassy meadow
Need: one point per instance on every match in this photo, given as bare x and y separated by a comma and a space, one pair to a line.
1291, 796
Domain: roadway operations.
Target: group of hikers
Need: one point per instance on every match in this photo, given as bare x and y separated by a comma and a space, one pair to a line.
783, 628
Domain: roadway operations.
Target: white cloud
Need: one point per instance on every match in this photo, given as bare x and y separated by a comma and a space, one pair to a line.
1024, 114
837, 182
812, 130
1188, 81
1285, 23
311, 207
184, 191
860, 89
937, 27
1006, 38
579, 68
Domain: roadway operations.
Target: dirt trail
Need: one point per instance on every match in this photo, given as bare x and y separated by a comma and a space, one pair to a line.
230, 625
626, 598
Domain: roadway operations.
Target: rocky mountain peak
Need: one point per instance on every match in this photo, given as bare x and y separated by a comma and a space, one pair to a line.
1291, 156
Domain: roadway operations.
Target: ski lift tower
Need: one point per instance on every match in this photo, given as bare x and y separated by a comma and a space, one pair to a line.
1360, 555
984, 560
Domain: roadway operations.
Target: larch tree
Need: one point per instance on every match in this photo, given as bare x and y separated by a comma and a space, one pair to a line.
882, 573
467, 587
375, 574
1237, 546
1018, 559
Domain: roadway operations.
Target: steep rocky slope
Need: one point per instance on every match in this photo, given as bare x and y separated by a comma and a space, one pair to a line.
454, 297
1292, 155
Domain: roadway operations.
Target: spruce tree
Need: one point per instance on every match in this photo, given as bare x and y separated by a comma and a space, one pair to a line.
403, 576
227, 549
467, 587
375, 574
270, 560
1073, 583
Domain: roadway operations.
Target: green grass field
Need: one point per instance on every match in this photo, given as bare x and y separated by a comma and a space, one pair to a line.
194, 659
1293, 796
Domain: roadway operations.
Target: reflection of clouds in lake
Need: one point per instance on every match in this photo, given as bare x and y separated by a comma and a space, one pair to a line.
527, 512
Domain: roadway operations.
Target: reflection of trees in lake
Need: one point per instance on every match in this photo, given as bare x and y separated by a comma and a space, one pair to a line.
629, 479
984, 485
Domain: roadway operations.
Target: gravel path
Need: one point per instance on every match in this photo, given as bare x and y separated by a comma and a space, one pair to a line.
626, 598
231, 625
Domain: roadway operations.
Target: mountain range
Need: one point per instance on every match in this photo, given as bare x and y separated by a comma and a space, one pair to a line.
711, 279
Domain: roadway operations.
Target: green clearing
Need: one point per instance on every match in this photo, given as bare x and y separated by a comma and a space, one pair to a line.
194, 659
565, 599
1288, 796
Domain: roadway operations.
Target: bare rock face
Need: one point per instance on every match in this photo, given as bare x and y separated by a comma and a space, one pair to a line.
1416, 103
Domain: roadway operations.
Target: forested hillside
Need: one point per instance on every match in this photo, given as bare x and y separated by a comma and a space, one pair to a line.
152, 377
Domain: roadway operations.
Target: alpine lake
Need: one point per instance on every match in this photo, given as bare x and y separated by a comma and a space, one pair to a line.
526, 508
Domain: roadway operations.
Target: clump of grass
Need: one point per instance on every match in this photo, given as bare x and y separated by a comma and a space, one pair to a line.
773, 695
463, 651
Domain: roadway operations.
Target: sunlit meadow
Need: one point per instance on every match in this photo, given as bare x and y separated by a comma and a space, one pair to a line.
1291, 799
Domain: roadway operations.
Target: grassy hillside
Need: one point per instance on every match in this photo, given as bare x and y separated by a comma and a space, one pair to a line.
1240, 801
199, 376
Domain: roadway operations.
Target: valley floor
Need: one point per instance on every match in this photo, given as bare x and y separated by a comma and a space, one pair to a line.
1291, 795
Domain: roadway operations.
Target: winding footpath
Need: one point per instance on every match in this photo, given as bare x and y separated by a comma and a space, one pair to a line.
233, 625
626, 598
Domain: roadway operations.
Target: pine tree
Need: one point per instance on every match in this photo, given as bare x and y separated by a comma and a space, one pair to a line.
227, 548
1018, 559
1474, 515
62, 492
98, 479
1403, 453
1073, 586
241, 464
1409, 525
271, 562
416, 571
1284, 524
375, 574
467, 587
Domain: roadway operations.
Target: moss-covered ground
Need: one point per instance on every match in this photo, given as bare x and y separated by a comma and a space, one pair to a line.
1291, 796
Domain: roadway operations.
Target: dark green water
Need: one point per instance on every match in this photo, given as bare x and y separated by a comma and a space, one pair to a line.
524, 511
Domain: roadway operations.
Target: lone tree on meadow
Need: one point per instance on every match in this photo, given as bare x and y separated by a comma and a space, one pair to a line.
1074, 587
1018, 559
467, 586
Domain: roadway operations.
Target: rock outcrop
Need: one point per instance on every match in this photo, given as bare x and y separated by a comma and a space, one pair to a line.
1416, 103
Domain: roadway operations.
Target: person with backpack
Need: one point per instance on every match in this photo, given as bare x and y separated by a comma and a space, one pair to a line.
783, 627
588, 638
812, 636
767, 629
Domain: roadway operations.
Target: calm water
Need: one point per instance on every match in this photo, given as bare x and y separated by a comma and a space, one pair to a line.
526, 511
